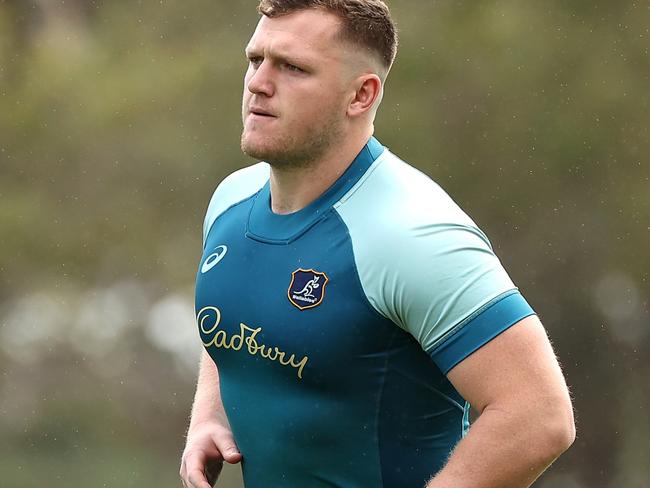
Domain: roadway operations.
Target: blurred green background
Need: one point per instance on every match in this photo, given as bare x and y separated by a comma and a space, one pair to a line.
118, 118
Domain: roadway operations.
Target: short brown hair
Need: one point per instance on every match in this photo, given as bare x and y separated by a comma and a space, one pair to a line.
366, 23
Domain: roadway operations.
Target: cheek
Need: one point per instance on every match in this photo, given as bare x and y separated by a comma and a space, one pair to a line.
325, 106
305, 113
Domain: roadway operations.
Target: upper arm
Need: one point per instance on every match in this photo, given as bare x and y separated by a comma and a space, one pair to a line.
515, 369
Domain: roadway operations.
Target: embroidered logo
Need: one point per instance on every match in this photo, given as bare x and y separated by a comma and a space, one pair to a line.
307, 288
212, 260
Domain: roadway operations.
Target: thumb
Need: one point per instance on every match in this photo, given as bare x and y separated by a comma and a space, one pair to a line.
227, 448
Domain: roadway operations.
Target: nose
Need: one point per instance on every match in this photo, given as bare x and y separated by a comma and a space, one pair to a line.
259, 80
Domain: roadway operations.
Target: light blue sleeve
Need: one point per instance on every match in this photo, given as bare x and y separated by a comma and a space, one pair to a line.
424, 264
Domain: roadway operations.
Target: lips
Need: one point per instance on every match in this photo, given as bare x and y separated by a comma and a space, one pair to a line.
260, 111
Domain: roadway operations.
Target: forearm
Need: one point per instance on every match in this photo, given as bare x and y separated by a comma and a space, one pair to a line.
503, 450
207, 405
209, 439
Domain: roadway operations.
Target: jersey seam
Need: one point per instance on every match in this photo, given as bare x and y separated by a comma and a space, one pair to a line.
462, 323
380, 399
373, 167
366, 301
268, 240
446, 397
207, 233
374, 311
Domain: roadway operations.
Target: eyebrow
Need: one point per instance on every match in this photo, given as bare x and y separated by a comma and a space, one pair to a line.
279, 56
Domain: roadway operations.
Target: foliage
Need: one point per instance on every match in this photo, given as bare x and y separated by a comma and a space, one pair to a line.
117, 119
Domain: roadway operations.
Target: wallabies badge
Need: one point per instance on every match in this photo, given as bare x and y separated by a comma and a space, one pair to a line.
307, 288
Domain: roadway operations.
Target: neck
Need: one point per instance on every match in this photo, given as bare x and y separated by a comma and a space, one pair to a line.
292, 189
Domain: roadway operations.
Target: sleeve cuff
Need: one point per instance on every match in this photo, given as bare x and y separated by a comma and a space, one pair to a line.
481, 328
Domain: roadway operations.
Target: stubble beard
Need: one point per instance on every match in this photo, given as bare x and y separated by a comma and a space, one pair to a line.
296, 151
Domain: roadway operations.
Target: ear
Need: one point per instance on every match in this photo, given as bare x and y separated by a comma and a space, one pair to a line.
367, 92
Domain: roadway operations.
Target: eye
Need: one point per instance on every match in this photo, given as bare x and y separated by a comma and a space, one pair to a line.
293, 67
255, 61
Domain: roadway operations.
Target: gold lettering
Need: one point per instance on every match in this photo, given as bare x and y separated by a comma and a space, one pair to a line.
239, 338
204, 314
220, 339
276, 353
253, 347
246, 335
301, 365
280, 356
267, 354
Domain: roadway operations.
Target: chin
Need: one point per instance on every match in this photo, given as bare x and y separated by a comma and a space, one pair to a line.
264, 146
256, 149
284, 150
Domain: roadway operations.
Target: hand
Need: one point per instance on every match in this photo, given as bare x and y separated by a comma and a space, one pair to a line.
208, 445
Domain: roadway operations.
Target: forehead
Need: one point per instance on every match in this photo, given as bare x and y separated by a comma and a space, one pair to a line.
308, 33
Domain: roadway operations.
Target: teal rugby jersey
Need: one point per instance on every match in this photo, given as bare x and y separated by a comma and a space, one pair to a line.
333, 327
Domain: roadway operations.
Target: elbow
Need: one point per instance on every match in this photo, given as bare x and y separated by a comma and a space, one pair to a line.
569, 431
558, 431
563, 437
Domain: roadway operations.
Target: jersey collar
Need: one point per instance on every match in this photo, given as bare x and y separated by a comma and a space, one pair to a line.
266, 226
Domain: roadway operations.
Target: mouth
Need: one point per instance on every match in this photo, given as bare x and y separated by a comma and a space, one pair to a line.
260, 112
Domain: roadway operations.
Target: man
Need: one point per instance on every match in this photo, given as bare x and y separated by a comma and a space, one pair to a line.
348, 308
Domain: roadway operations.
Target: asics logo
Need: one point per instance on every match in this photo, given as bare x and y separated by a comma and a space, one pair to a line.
212, 260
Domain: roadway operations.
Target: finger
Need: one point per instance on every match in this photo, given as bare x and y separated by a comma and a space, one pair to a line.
183, 472
212, 472
228, 449
197, 479
192, 470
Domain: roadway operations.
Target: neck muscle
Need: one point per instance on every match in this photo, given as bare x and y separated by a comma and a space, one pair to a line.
292, 189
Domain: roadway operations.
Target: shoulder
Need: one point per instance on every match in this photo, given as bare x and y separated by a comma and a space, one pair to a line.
233, 189
396, 199
422, 262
